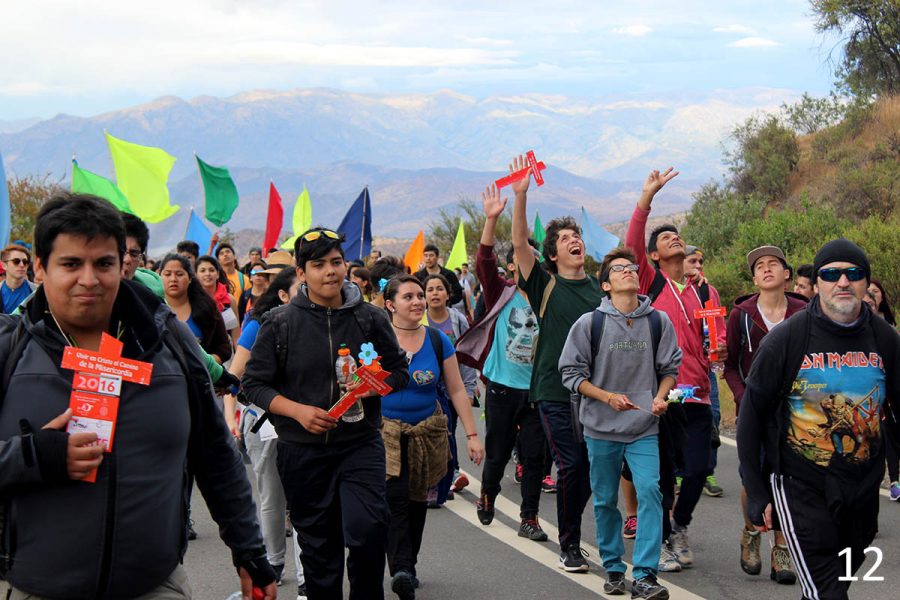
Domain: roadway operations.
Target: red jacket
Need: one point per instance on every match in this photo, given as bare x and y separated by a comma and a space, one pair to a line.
746, 329
679, 307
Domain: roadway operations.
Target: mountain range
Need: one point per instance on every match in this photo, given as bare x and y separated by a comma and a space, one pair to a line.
416, 152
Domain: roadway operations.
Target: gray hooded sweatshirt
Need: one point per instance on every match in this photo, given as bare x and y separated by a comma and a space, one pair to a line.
624, 365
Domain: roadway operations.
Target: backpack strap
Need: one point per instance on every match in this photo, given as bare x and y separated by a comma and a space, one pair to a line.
703, 292
655, 333
545, 297
598, 320
434, 336
656, 286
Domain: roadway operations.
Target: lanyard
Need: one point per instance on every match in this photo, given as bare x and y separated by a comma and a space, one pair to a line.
678, 299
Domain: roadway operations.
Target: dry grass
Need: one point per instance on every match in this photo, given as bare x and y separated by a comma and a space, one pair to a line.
726, 404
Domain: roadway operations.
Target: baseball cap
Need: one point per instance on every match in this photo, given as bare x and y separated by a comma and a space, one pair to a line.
757, 253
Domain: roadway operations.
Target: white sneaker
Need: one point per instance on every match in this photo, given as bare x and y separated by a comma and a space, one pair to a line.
668, 562
681, 547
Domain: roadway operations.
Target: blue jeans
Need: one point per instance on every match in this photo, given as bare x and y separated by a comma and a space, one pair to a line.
717, 418
606, 466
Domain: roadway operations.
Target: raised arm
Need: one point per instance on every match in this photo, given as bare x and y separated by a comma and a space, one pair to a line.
635, 238
524, 257
485, 260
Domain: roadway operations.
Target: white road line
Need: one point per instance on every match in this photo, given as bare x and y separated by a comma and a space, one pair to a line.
536, 551
730, 442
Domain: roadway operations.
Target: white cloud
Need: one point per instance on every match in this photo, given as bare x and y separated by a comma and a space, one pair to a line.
754, 42
633, 30
738, 29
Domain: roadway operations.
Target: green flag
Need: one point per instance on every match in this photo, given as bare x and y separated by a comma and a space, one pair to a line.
85, 182
142, 173
302, 218
539, 233
220, 191
458, 253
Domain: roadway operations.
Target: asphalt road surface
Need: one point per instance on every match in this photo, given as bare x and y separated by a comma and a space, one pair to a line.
462, 559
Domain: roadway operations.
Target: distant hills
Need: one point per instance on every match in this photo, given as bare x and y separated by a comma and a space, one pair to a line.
416, 152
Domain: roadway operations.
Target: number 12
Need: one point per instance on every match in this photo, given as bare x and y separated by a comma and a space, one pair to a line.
868, 576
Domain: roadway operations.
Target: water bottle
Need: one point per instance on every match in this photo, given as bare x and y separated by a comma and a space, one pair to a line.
345, 368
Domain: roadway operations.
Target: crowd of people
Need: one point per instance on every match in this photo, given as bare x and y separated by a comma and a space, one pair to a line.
611, 377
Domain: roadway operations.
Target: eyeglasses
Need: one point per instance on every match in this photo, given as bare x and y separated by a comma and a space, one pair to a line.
833, 274
18, 261
619, 268
135, 254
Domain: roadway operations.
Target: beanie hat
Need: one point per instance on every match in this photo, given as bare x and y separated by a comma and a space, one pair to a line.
841, 250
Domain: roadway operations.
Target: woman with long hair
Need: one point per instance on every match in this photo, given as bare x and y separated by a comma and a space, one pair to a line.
194, 307
414, 427
363, 280
882, 306
227, 257
259, 281
263, 454
214, 282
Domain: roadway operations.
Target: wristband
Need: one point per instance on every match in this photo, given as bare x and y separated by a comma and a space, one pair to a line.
471, 435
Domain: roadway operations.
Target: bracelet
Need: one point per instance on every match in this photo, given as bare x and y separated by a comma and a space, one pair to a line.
471, 435
609, 398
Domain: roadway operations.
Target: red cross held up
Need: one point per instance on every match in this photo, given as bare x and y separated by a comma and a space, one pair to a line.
534, 168
709, 314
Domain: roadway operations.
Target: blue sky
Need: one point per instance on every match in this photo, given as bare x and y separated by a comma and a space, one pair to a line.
93, 56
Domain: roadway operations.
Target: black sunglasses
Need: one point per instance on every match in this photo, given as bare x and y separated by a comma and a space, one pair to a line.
833, 274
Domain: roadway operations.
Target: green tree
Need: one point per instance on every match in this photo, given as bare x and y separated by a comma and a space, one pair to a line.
764, 155
442, 230
809, 115
870, 32
716, 215
26, 197
878, 237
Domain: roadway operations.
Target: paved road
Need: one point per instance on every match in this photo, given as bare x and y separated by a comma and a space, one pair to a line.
462, 559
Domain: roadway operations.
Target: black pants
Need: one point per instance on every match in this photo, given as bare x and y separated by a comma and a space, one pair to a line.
407, 518
816, 537
893, 462
573, 483
696, 450
337, 497
507, 410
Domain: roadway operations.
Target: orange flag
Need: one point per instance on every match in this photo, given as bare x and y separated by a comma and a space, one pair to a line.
415, 256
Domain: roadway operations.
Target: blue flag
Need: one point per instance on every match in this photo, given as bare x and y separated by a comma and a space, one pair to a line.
597, 240
5, 223
357, 228
198, 232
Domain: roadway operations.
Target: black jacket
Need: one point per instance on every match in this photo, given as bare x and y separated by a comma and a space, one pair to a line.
455, 291
305, 372
123, 535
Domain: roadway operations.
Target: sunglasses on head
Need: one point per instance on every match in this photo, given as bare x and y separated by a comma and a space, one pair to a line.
257, 272
312, 236
833, 274
18, 261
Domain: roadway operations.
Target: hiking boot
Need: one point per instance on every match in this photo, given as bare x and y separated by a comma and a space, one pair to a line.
711, 487
517, 476
548, 486
782, 567
572, 560
668, 562
460, 482
531, 529
750, 560
402, 585
648, 587
681, 547
895, 491
614, 584
629, 531
484, 506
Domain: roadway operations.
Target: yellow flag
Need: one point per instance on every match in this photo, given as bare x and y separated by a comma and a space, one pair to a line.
458, 253
142, 173
302, 218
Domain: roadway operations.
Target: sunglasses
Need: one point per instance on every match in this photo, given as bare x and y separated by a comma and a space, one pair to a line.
19, 261
833, 274
314, 235
257, 272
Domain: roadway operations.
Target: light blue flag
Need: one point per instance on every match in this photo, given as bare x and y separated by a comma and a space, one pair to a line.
5, 223
198, 232
597, 240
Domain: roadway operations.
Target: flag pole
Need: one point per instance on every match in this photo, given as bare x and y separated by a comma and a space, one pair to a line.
362, 231
200, 176
188, 226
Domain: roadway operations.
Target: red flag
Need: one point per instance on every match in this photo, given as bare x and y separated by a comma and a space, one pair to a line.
274, 220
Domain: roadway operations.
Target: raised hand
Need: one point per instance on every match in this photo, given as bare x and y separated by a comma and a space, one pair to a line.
493, 204
656, 180
519, 163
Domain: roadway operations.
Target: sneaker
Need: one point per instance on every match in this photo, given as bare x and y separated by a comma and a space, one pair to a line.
279, 571
629, 531
668, 562
301, 591
648, 587
484, 506
681, 546
614, 584
531, 529
402, 585
711, 487
192, 535
572, 560
548, 486
895, 491
518, 475
677, 485
461, 482
782, 567
750, 560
